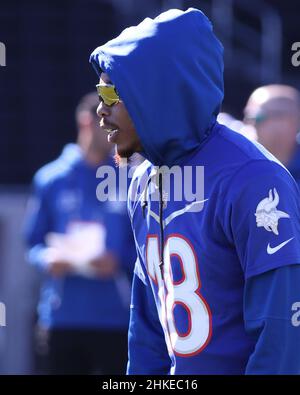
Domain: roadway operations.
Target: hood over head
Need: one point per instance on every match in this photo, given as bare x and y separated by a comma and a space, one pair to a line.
169, 73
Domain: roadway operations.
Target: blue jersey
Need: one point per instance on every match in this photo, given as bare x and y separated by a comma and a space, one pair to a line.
200, 300
65, 194
216, 285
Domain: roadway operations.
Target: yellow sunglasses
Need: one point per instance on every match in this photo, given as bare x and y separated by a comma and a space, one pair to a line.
107, 93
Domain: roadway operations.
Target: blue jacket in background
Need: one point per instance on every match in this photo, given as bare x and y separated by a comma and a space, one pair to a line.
64, 191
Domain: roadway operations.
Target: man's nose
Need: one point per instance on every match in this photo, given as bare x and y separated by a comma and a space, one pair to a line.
102, 110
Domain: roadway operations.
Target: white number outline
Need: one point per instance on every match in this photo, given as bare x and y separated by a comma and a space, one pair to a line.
168, 271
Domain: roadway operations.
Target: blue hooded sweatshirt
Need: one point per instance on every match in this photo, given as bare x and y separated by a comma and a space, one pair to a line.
215, 287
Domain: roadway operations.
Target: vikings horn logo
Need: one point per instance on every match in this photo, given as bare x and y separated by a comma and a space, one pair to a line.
266, 213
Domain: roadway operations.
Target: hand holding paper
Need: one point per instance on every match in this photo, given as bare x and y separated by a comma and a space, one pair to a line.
74, 250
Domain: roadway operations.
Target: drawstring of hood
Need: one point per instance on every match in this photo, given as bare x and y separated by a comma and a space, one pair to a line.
145, 196
157, 176
161, 223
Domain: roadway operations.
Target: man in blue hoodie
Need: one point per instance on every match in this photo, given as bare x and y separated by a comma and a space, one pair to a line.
216, 284
84, 248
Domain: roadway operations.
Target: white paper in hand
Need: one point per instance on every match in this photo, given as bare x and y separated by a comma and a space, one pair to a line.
83, 242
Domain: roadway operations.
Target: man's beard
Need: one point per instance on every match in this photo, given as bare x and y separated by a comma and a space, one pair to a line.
134, 160
121, 161
128, 157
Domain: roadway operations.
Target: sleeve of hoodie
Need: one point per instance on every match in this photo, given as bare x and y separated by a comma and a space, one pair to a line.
264, 227
147, 348
37, 224
272, 318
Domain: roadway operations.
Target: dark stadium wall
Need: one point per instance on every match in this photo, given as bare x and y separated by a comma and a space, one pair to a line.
48, 46
47, 71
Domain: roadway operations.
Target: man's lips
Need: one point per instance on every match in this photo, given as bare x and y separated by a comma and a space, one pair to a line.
112, 136
108, 127
111, 129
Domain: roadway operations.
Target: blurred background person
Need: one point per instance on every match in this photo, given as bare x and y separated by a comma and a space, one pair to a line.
238, 126
84, 249
274, 111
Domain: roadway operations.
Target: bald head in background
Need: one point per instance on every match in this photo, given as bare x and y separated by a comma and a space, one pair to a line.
274, 111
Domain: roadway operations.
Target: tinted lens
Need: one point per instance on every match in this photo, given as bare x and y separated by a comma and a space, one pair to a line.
107, 94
